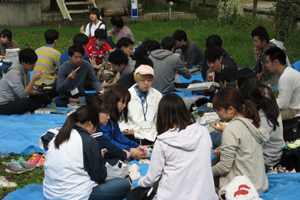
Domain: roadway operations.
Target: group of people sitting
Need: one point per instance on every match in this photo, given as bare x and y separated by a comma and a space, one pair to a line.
132, 111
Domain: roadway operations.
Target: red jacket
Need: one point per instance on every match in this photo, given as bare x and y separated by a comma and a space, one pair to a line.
98, 52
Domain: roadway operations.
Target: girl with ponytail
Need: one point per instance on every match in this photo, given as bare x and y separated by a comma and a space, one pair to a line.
74, 165
268, 113
241, 144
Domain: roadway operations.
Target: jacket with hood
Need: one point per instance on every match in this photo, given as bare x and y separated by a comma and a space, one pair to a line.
274, 146
165, 65
182, 160
242, 154
13, 84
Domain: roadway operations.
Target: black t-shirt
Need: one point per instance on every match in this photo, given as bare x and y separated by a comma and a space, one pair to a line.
127, 80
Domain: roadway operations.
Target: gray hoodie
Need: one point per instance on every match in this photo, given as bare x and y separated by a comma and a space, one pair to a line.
274, 146
13, 84
165, 65
183, 161
242, 154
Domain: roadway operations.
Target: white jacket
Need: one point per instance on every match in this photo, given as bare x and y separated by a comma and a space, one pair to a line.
183, 161
142, 129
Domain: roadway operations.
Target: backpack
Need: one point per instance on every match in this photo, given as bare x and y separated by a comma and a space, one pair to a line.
46, 138
105, 73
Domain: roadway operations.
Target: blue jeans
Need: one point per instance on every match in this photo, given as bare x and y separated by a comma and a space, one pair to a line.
113, 189
83, 98
216, 139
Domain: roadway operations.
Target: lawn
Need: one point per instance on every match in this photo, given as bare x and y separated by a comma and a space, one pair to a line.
236, 37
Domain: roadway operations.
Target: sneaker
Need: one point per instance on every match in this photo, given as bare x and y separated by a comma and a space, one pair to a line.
4, 155
41, 161
25, 164
6, 183
14, 167
291, 171
34, 159
272, 170
281, 169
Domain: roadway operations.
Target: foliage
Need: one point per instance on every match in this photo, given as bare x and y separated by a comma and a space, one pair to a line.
286, 15
228, 8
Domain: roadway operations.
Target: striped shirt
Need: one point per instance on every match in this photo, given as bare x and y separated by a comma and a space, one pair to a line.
48, 59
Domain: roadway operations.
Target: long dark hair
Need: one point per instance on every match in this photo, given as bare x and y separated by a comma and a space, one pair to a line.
231, 97
252, 93
82, 115
99, 103
172, 112
256, 82
244, 74
116, 93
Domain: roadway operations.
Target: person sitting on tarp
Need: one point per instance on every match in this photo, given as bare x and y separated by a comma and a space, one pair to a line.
71, 78
16, 89
6, 42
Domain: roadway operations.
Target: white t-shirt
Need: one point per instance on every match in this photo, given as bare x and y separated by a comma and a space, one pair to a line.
93, 28
289, 89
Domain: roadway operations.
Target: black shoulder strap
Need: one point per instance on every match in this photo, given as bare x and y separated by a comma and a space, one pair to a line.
90, 27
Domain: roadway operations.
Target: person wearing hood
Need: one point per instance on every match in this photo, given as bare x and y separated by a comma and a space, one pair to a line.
268, 114
180, 159
16, 89
241, 151
216, 40
166, 64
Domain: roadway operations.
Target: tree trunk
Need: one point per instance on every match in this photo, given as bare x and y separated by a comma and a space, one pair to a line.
254, 8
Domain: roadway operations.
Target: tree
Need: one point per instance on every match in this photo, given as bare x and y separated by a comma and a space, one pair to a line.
228, 8
285, 17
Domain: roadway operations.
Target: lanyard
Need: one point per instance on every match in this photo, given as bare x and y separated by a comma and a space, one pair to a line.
74, 81
143, 100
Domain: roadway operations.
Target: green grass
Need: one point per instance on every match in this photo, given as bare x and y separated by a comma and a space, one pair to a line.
236, 40
235, 34
34, 176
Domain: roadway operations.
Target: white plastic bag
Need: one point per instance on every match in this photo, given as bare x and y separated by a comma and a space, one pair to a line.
119, 170
240, 188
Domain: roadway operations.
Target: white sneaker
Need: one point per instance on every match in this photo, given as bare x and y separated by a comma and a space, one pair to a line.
6, 183
272, 170
291, 171
281, 169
